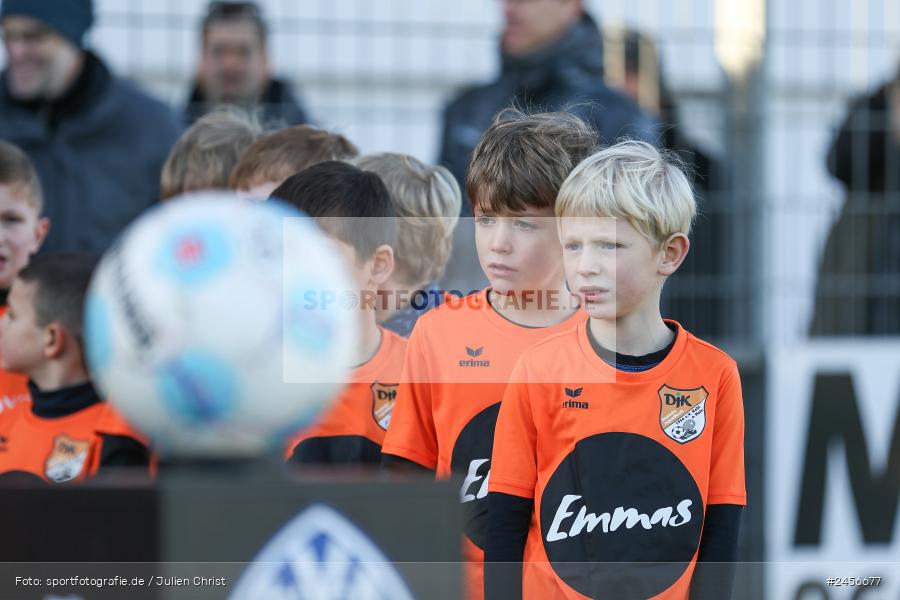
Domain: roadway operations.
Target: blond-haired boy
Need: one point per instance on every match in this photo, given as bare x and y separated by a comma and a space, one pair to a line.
618, 456
205, 154
426, 200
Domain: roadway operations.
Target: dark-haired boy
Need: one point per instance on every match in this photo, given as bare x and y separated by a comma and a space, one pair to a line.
69, 433
354, 207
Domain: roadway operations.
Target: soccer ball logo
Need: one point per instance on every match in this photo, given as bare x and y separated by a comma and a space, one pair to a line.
685, 430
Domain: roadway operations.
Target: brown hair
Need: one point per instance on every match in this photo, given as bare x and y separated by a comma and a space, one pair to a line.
231, 12
205, 154
427, 201
17, 170
280, 154
522, 159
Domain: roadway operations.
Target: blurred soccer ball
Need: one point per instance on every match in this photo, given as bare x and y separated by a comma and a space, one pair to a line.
213, 325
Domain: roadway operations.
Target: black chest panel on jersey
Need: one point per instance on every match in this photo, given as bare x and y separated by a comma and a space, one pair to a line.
472, 459
621, 517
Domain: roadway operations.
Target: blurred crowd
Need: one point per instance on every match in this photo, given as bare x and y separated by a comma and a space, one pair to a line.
100, 144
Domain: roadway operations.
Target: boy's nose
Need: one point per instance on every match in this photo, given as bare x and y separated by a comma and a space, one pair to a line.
501, 242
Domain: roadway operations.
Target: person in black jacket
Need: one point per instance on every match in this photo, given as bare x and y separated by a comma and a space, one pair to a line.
856, 290
551, 55
697, 298
234, 68
96, 141
551, 59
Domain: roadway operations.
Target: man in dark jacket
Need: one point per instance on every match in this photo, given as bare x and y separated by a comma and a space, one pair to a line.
551, 58
551, 55
857, 289
97, 142
234, 68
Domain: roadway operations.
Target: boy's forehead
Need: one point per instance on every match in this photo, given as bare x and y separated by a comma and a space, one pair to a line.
17, 197
590, 225
530, 211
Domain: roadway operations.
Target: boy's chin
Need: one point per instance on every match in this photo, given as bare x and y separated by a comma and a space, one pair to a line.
602, 311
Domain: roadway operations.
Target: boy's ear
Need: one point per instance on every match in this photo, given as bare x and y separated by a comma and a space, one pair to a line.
41, 229
382, 265
674, 251
55, 340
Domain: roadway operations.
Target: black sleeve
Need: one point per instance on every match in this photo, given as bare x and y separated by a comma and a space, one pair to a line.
397, 464
714, 574
123, 451
507, 529
858, 155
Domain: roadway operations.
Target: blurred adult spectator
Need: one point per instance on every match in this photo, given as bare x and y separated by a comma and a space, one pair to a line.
858, 287
696, 298
97, 142
234, 68
551, 56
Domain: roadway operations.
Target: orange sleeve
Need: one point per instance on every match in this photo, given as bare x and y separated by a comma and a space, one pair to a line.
113, 423
514, 459
726, 473
411, 433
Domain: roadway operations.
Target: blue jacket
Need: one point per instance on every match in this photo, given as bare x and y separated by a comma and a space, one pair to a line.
566, 75
99, 161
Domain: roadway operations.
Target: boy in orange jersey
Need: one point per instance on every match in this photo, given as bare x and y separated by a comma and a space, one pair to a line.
68, 433
427, 201
22, 230
461, 353
618, 463
354, 208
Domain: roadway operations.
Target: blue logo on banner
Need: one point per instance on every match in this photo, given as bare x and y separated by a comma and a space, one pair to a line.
320, 554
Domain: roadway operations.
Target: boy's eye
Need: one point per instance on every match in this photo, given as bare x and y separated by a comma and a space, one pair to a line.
524, 224
11, 219
608, 245
572, 246
484, 220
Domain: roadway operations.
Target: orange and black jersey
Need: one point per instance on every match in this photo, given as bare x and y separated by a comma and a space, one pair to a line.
458, 362
352, 429
13, 386
67, 435
621, 465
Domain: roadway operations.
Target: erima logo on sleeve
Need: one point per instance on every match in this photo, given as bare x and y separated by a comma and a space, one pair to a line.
571, 402
473, 361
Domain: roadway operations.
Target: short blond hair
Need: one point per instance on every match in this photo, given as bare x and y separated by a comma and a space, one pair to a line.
279, 154
633, 181
205, 154
17, 171
427, 202
522, 159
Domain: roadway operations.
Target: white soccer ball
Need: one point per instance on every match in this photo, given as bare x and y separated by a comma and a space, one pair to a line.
212, 325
